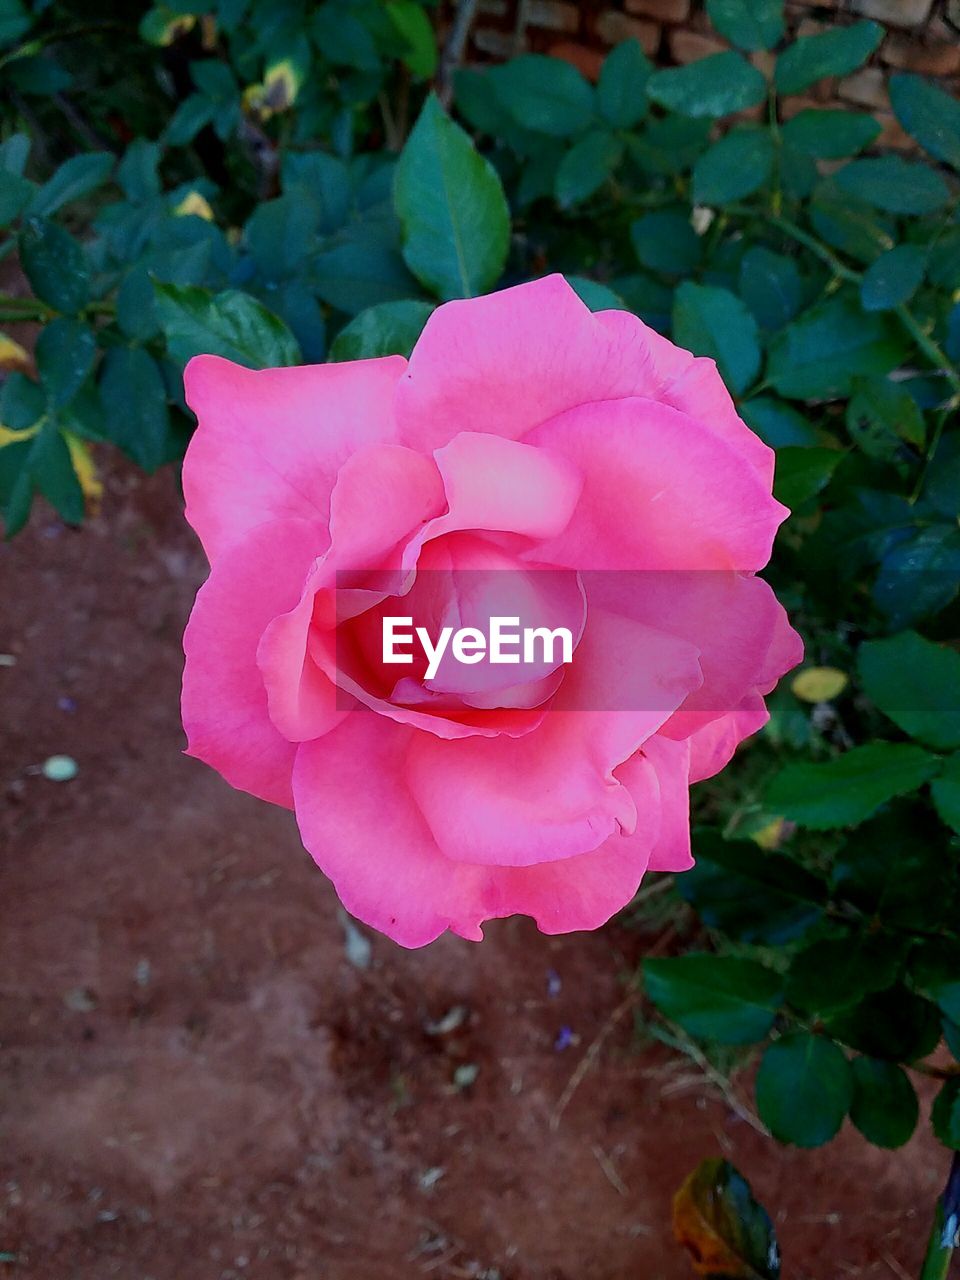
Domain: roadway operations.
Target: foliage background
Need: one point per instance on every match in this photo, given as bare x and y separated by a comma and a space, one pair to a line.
286, 181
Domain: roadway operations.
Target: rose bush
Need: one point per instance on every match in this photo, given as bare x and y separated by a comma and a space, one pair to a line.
525, 437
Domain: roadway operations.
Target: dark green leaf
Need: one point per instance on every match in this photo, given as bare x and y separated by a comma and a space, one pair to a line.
586, 167
137, 173
714, 86
836, 972
896, 1025
134, 402
52, 470
935, 970
946, 793
884, 1107
65, 351
771, 287
919, 576
777, 423
734, 167
894, 184
804, 1088
849, 789
230, 324
15, 22
748, 24
830, 135
929, 114
391, 328
322, 178
359, 274
622, 88
836, 52
802, 472
711, 321
917, 684
413, 24
752, 895
945, 1115
76, 177
281, 235
598, 297
716, 1218
893, 278
848, 224
22, 402
456, 225
721, 998
881, 416
193, 114
55, 265
820, 353
664, 240
544, 94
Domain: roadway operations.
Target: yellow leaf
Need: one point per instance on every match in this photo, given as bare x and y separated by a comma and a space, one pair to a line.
194, 203
819, 684
769, 835
13, 437
12, 355
85, 468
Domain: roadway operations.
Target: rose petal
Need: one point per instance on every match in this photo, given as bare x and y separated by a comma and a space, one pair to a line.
270, 442
224, 704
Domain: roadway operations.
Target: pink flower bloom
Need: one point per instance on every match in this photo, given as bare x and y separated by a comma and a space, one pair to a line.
531, 458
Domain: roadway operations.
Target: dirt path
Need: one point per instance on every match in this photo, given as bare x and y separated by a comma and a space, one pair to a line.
199, 1084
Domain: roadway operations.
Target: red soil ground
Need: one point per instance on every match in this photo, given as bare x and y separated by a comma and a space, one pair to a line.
198, 1082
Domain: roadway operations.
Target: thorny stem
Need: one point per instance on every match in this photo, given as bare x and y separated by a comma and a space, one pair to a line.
945, 1234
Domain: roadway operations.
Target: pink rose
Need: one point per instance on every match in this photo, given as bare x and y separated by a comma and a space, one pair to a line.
533, 459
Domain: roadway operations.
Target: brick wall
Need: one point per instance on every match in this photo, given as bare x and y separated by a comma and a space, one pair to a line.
921, 35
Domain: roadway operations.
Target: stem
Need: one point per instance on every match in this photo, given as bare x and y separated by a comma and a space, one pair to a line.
927, 345
945, 1234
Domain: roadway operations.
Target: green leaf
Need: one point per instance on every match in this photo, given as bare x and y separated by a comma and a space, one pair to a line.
771, 287
894, 184
776, 423
717, 1220
820, 353
137, 172
935, 971
586, 167
55, 265
51, 469
945, 1114
193, 114
134, 401
721, 998
711, 321
391, 328
836, 52
361, 274
748, 24
281, 235
881, 416
946, 793
664, 240
804, 1088
544, 94
928, 114
413, 24
323, 179
884, 1107
803, 472
848, 224
714, 86
917, 684
596, 296
893, 278
830, 135
230, 324
76, 177
734, 167
752, 895
896, 1025
836, 972
15, 22
451, 206
849, 789
669, 144
622, 88
65, 352
920, 575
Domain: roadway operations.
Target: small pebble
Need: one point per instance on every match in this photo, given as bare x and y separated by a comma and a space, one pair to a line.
60, 768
